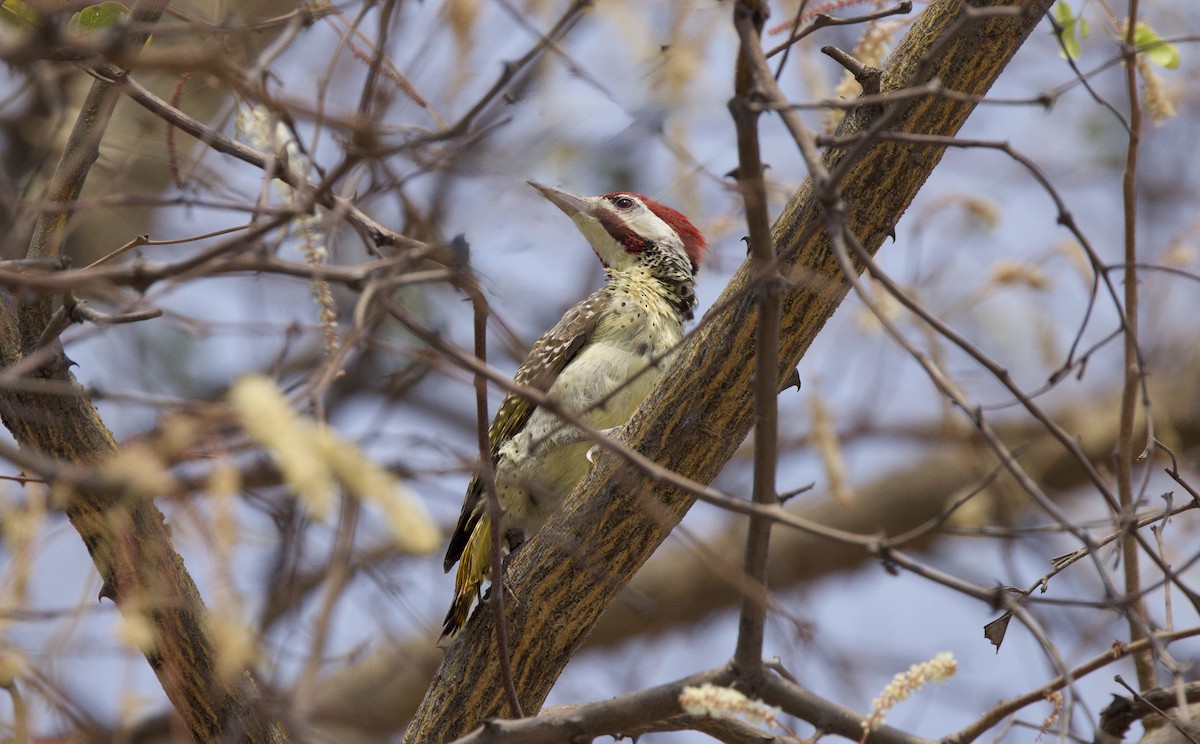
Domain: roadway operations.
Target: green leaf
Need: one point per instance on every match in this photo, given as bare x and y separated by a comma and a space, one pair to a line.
1147, 40
99, 17
1072, 28
1062, 13
17, 14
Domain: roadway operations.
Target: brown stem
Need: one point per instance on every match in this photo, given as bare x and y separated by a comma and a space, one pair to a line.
494, 509
1126, 456
749, 18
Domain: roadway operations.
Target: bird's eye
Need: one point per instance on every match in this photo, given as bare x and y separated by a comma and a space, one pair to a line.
622, 202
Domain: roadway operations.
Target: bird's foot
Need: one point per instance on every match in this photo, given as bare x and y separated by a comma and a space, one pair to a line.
594, 451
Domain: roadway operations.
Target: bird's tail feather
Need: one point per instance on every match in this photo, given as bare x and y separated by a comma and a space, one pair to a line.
474, 564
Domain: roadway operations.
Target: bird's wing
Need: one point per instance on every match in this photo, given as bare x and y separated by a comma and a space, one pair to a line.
560, 344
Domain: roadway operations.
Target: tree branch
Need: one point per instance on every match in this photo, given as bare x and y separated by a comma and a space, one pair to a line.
749, 18
122, 528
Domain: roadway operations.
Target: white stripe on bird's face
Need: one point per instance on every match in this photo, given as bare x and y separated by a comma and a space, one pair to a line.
623, 227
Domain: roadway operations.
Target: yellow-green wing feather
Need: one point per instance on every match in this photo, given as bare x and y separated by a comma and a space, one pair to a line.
552, 352
471, 541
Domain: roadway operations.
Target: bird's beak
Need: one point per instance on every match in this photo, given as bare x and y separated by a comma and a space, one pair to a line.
571, 204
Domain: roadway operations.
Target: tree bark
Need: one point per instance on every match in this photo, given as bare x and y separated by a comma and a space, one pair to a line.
569, 572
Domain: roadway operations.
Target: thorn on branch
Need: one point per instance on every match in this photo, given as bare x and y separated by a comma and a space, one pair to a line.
869, 78
736, 173
884, 551
775, 664
792, 381
460, 252
789, 495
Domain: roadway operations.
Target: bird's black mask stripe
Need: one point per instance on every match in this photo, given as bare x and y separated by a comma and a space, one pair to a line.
622, 233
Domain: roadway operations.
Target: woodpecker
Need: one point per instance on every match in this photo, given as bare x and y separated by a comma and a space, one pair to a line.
599, 361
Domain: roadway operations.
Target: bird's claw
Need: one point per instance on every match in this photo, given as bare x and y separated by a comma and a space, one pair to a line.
594, 451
